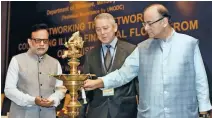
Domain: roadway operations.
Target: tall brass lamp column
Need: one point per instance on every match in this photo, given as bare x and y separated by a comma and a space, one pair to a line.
73, 81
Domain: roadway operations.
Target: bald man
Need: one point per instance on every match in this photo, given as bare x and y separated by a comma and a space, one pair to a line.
172, 77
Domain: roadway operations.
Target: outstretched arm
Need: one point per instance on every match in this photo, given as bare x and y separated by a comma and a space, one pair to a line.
125, 74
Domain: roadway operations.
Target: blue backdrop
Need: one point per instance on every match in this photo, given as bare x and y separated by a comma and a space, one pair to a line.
192, 18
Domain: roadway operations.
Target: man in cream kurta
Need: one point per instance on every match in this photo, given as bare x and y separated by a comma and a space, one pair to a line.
172, 78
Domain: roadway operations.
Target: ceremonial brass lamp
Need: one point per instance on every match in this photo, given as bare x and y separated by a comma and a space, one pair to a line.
73, 81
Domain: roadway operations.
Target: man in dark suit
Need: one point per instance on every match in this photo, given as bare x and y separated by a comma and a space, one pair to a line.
105, 58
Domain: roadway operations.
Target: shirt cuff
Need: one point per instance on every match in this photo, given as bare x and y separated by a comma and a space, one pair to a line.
205, 107
31, 101
105, 82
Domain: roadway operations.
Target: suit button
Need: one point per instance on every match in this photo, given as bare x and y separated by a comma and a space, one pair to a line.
39, 72
40, 84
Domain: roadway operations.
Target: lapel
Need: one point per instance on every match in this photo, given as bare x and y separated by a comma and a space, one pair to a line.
119, 56
96, 60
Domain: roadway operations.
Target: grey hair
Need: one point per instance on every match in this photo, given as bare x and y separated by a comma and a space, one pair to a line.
105, 16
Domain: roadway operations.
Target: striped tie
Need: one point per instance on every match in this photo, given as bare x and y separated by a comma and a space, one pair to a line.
108, 57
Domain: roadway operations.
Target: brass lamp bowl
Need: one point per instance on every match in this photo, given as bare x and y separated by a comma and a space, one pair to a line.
73, 83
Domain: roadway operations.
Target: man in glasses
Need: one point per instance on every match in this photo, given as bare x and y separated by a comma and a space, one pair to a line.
172, 78
34, 94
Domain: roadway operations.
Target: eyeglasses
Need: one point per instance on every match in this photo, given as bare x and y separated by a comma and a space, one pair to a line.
149, 23
45, 41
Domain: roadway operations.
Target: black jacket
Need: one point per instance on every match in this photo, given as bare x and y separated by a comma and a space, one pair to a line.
123, 104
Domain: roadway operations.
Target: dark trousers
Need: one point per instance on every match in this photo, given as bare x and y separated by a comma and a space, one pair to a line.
108, 115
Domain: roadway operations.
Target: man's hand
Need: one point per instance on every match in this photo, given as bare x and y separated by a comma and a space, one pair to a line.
204, 114
43, 102
38, 101
47, 103
93, 84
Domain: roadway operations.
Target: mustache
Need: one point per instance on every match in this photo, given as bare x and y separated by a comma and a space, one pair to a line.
40, 48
